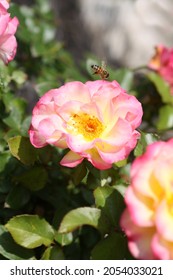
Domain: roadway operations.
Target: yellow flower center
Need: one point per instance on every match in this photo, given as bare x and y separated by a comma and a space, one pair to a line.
87, 125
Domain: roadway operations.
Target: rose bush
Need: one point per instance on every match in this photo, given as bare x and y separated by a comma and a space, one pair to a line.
8, 27
76, 213
96, 120
162, 63
148, 218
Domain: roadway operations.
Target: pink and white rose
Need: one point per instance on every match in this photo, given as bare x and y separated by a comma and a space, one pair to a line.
148, 218
8, 27
97, 121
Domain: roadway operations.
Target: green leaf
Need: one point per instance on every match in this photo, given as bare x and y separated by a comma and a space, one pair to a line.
10, 250
21, 148
111, 202
64, 238
16, 108
121, 189
17, 197
19, 77
79, 217
101, 194
53, 253
25, 126
79, 173
165, 120
92, 182
6, 176
144, 141
94, 171
11, 133
121, 163
30, 231
34, 179
162, 87
4, 158
112, 247
3, 143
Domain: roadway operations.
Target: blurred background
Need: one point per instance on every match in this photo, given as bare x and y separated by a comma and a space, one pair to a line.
120, 32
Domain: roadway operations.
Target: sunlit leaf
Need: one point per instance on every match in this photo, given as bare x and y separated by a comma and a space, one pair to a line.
11, 250
64, 238
165, 120
79, 217
121, 163
30, 231
21, 148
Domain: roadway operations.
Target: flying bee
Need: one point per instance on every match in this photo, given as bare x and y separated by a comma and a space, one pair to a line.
100, 70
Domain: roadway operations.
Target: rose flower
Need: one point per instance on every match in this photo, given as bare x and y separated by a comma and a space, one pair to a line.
162, 63
148, 218
95, 120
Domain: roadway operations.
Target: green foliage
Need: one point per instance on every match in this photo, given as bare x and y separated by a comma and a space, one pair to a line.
30, 231
64, 238
10, 250
47, 211
53, 253
162, 87
165, 120
21, 148
78, 217
112, 247
111, 202
145, 140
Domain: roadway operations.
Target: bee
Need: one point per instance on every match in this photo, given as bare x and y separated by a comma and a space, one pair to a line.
100, 70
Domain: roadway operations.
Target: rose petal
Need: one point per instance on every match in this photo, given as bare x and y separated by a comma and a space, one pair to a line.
94, 157
164, 218
71, 159
72, 91
129, 108
162, 249
144, 215
37, 140
119, 134
139, 238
